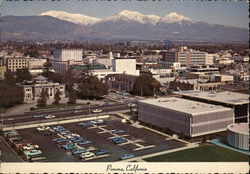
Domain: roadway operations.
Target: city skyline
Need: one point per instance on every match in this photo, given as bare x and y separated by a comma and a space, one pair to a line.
219, 12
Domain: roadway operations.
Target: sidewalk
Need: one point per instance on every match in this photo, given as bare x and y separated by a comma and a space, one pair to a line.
21, 109
141, 158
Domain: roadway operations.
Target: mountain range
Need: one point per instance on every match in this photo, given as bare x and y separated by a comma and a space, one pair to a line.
60, 25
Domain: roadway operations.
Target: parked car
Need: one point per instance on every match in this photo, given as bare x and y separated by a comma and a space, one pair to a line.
85, 124
126, 156
16, 140
11, 133
78, 151
61, 141
69, 146
97, 110
31, 153
84, 142
50, 116
30, 147
100, 121
117, 131
38, 116
87, 155
118, 140
102, 152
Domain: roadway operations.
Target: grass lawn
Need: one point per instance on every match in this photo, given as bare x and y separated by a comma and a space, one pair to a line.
57, 106
204, 153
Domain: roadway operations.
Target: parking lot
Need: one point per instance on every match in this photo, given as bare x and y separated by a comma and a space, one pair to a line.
115, 137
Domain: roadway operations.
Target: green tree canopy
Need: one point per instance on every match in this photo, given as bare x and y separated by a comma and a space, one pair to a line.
10, 94
146, 85
23, 74
92, 87
9, 77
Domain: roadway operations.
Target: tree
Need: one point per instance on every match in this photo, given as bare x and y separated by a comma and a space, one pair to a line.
72, 97
57, 97
55, 77
70, 79
92, 87
146, 85
10, 94
42, 101
23, 74
9, 77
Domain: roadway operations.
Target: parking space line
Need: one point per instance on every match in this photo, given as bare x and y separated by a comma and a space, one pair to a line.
102, 132
144, 147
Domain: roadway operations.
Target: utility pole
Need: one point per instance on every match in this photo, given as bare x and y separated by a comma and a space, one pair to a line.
89, 107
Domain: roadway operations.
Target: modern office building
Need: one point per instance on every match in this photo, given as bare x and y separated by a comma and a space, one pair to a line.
238, 135
186, 57
191, 57
187, 117
15, 63
237, 101
67, 54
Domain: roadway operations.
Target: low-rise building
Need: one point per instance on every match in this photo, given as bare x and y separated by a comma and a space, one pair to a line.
238, 135
187, 117
121, 82
237, 101
33, 89
15, 63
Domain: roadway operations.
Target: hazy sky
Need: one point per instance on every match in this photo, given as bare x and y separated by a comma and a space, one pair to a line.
234, 13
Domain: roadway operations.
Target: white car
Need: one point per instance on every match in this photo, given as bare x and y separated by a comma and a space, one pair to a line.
30, 147
97, 110
87, 155
100, 121
50, 116
131, 105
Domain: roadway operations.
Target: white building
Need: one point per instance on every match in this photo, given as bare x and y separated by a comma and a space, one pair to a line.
209, 59
36, 63
185, 116
67, 54
237, 101
238, 135
33, 89
127, 66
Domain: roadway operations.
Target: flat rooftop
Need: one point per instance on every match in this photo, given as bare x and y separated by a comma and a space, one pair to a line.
241, 128
226, 97
185, 106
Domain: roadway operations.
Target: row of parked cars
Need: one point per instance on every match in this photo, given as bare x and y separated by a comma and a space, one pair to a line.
75, 144
31, 151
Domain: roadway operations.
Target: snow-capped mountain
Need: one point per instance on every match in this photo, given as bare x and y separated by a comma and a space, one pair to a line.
72, 17
174, 18
59, 25
134, 16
